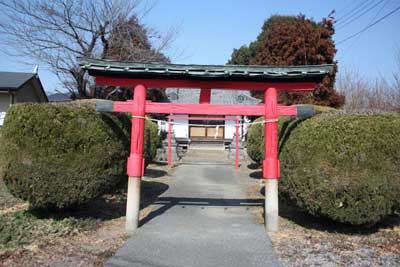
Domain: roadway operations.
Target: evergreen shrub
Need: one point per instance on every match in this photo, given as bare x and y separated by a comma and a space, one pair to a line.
64, 155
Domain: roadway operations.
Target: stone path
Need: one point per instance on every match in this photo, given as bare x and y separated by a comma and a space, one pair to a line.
201, 220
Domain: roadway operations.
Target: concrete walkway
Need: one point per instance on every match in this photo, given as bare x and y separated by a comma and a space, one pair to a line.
201, 220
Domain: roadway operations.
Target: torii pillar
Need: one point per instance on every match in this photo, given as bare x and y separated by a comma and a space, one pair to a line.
135, 166
271, 166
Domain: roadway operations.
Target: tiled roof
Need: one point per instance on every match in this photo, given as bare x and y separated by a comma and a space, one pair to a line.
210, 72
191, 96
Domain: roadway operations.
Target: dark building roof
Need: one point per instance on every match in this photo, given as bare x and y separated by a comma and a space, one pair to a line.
210, 72
14, 80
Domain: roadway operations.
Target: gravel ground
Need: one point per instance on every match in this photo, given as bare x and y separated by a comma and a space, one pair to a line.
85, 249
306, 241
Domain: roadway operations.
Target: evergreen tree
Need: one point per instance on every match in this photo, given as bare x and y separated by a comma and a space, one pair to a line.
295, 40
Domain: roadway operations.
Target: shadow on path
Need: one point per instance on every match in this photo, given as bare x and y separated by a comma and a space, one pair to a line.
168, 202
154, 173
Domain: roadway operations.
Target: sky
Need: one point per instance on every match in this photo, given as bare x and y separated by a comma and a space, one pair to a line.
209, 30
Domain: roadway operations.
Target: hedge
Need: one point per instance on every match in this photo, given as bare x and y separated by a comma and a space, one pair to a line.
344, 167
63, 155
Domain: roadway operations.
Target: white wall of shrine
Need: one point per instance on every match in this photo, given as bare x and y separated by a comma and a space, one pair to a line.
181, 127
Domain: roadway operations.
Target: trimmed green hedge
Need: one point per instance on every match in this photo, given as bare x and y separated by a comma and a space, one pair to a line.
151, 142
344, 167
64, 155
255, 141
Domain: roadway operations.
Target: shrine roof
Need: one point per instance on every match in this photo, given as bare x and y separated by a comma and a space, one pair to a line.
126, 69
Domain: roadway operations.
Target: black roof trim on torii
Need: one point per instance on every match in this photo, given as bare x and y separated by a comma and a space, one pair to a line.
256, 73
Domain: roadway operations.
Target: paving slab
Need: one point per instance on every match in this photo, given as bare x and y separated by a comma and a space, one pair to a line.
203, 219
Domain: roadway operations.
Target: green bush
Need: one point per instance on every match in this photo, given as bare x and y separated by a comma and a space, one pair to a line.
64, 155
344, 167
255, 135
151, 142
255, 141
23, 228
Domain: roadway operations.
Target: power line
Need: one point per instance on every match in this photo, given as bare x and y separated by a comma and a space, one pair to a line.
355, 9
345, 7
370, 25
351, 10
360, 15
370, 21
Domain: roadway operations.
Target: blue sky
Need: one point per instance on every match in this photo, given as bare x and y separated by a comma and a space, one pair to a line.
210, 30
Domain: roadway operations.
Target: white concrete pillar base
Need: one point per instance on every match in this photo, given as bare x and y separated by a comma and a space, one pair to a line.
271, 205
133, 204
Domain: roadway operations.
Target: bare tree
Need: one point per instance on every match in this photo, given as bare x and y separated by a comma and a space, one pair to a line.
364, 95
396, 82
56, 32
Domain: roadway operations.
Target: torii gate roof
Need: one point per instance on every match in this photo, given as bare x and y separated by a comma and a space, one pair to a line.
252, 73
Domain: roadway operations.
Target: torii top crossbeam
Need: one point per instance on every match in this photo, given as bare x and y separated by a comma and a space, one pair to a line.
293, 78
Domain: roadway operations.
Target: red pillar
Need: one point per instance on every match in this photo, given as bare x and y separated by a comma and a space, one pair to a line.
271, 168
237, 144
135, 161
169, 143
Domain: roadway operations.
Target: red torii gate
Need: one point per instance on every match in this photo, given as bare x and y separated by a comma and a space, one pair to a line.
237, 120
265, 78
